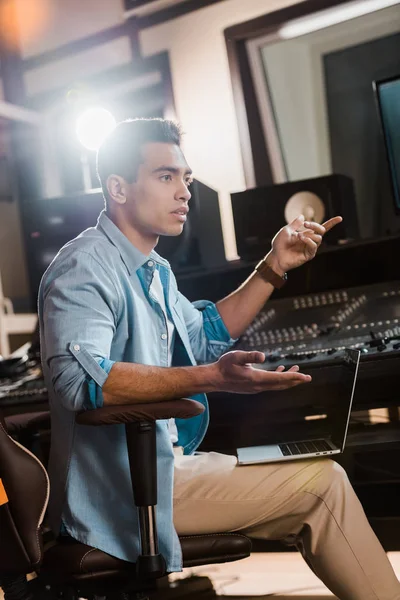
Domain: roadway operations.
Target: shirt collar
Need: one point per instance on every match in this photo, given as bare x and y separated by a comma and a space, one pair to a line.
131, 256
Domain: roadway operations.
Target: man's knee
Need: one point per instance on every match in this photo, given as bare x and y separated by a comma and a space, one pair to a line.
329, 477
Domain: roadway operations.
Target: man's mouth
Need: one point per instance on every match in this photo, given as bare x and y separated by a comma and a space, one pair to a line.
181, 214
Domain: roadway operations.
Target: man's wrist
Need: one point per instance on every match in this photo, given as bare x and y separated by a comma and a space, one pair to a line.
271, 275
272, 261
203, 378
213, 377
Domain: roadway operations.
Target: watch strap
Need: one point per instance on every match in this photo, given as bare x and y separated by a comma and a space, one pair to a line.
269, 275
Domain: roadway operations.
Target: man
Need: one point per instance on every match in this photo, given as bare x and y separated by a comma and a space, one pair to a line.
115, 330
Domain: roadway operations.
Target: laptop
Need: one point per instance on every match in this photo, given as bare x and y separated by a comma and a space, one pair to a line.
323, 431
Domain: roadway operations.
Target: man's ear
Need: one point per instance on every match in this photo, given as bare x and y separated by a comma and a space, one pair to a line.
116, 188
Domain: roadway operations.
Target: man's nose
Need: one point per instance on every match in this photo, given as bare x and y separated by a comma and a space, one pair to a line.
184, 193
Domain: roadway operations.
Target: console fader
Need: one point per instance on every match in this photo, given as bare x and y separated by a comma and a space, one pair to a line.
313, 328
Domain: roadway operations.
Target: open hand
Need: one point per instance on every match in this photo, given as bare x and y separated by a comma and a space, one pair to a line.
297, 243
235, 373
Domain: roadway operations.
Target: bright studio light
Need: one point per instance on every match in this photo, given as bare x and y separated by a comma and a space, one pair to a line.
93, 126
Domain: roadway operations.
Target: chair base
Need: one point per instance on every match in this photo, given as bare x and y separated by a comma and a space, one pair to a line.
90, 590
189, 588
183, 589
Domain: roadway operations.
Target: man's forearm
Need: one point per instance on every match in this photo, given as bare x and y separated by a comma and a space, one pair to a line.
130, 383
240, 308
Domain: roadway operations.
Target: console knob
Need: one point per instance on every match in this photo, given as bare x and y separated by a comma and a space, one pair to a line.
274, 357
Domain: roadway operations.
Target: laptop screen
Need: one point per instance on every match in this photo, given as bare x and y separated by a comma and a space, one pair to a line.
345, 387
328, 415
319, 410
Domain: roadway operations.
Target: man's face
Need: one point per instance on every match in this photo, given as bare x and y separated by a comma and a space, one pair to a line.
157, 202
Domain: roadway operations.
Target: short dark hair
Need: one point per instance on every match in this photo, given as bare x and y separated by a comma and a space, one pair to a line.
120, 153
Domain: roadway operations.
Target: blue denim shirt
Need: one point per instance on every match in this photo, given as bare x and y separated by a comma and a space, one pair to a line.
95, 309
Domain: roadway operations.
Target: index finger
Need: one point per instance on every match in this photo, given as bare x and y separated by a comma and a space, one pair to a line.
316, 227
332, 222
283, 376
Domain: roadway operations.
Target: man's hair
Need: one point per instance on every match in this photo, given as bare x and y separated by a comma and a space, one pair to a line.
120, 153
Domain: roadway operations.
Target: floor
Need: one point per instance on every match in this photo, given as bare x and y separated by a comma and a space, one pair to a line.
283, 574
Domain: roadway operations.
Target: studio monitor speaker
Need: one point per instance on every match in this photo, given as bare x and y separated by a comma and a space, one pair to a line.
259, 213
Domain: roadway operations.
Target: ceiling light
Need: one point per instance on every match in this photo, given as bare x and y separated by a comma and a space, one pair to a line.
332, 16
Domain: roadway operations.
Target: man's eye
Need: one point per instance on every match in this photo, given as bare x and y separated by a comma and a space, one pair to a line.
166, 177
189, 182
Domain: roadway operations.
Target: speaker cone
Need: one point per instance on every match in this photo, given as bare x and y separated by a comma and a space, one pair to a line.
307, 204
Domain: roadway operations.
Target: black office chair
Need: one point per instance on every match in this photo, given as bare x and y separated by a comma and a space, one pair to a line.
72, 570
31, 430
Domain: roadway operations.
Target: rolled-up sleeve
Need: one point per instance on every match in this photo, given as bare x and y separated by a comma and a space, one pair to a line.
78, 302
208, 335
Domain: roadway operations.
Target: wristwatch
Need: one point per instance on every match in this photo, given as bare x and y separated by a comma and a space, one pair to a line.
269, 275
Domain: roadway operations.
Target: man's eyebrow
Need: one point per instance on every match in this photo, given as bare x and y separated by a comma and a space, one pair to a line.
172, 170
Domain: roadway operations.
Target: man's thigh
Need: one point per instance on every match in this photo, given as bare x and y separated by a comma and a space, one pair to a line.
212, 494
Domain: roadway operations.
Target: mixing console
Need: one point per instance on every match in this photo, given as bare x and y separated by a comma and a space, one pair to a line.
313, 328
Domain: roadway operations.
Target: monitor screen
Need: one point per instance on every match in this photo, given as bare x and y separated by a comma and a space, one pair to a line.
388, 97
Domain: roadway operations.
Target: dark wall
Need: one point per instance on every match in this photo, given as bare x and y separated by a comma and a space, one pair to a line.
357, 146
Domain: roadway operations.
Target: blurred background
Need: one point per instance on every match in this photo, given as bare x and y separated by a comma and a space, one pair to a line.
266, 91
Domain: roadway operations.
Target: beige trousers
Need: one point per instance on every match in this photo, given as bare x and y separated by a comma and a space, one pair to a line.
309, 503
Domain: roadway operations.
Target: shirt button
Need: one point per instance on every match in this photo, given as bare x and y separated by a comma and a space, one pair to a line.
150, 263
77, 347
163, 336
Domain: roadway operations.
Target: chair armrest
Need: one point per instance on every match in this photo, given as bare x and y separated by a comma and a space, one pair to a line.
181, 408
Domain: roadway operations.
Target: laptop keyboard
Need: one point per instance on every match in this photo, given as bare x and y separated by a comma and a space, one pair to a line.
309, 447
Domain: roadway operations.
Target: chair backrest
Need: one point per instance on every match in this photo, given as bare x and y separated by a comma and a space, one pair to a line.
26, 492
